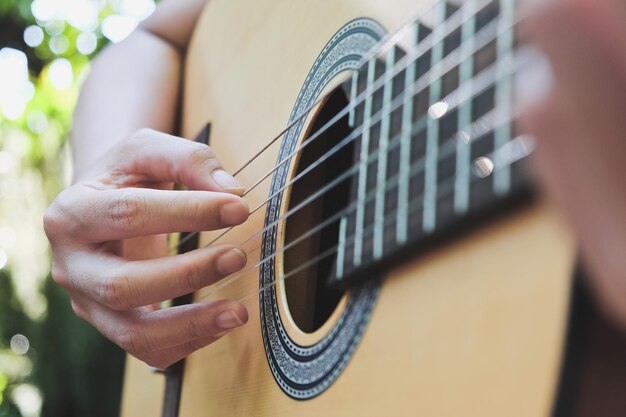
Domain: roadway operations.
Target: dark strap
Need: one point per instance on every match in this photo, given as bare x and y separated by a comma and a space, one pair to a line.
575, 349
593, 373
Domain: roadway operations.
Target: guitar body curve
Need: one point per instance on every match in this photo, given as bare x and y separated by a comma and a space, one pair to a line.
473, 327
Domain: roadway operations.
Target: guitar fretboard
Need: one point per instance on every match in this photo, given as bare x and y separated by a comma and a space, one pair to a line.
432, 147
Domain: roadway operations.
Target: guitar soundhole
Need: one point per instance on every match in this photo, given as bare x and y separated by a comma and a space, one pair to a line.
309, 300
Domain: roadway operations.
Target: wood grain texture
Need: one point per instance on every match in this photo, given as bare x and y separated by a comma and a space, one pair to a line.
143, 390
475, 328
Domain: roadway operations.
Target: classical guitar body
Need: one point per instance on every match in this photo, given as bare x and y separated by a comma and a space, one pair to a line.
471, 321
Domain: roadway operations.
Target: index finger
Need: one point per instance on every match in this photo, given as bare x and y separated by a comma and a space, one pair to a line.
161, 157
103, 215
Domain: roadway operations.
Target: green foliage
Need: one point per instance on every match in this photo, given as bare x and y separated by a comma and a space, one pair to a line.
79, 372
16, 9
76, 371
12, 371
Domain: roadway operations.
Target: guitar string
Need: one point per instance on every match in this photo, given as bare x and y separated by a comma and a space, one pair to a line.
448, 188
478, 83
399, 66
423, 47
418, 86
419, 51
223, 285
509, 153
478, 130
368, 230
466, 137
384, 42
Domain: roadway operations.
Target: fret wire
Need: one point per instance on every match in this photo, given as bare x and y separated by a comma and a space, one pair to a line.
478, 128
432, 133
502, 181
362, 180
463, 153
343, 224
382, 156
482, 38
353, 95
405, 151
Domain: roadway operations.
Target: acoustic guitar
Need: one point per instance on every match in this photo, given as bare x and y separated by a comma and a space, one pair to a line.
399, 261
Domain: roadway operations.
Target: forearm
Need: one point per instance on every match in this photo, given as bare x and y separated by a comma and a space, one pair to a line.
134, 84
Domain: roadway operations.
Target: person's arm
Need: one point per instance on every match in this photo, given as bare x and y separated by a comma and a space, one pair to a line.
134, 84
581, 128
107, 230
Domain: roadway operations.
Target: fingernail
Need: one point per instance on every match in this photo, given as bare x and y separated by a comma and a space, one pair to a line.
231, 261
228, 320
228, 182
234, 213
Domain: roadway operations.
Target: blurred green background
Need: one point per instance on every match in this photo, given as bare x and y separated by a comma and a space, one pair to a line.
51, 363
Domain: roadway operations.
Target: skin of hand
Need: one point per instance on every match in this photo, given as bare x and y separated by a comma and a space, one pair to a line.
126, 194
581, 132
107, 230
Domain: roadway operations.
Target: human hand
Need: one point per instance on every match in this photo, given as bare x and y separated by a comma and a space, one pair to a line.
581, 132
109, 248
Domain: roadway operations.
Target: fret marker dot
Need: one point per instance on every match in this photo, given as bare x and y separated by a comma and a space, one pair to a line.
483, 167
438, 110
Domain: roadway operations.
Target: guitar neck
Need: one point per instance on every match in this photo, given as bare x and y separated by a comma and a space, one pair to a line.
432, 121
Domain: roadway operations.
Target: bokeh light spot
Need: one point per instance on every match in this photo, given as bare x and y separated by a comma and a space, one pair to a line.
60, 74
28, 399
33, 36
117, 27
15, 109
43, 10
139, 9
14, 83
58, 44
37, 121
82, 14
86, 43
20, 344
